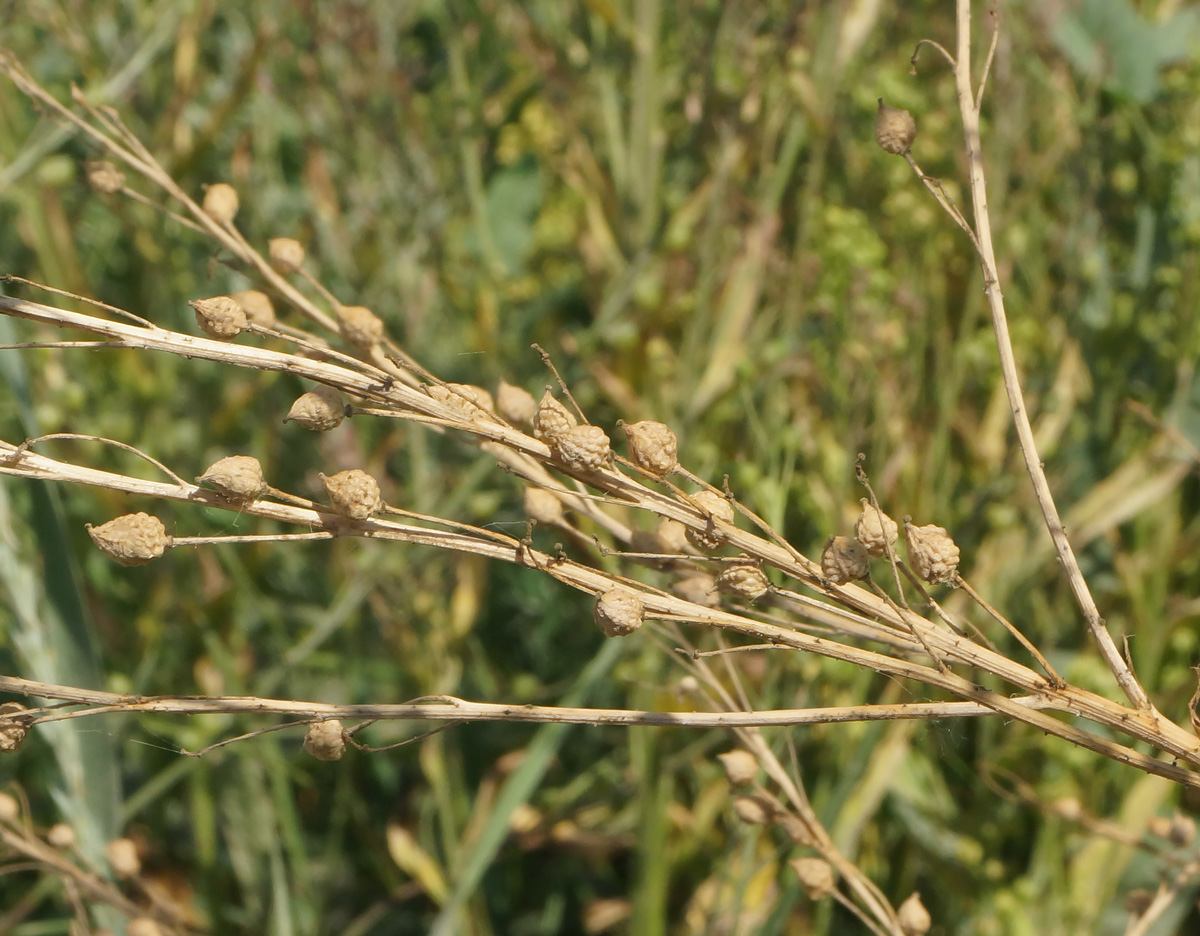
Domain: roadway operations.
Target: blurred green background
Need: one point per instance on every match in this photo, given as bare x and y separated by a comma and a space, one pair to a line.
683, 202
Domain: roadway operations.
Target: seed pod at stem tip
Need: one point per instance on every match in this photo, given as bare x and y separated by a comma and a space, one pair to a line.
104, 177
913, 917
552, 419
543, 507
844, 560
325, 740
515, 404
895, 129
618, 612
815, 875
715, 507
257, 305
353, 493
320, 409
744, 580
286, 254
122, 855
360, 326
931, 552
239, 477
131, 540
740, 767
220, 317
752, 810
875, 529
653, 447
221, 202
12, 729
582, 448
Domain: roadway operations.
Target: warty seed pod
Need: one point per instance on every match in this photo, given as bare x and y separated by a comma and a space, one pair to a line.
741, 767
582, 448
844, 560
220, 317
286, 254
123, 858
221, 202
131, 540
653, 447
745, 580
913, 917
360, 326
515, 405
895, 129
875, 529
237, 476
751, 810
815, 875
104, 177
543, 507
715, 507
257, 305
618, 612
931, 552
353, 493
325, 740
551, 418
12, 729
61, 835
320, 409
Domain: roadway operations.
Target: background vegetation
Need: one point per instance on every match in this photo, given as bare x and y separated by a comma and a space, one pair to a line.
684, 204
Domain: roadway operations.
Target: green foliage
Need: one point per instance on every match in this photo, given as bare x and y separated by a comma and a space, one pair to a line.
684, 204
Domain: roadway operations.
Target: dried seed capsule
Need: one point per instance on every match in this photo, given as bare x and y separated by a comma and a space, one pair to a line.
61, 835
932, 553
582, 448
751, 810
670, 537
913, 917
143, 926
515, 405
104, 177
715, 507
257, 305
236, 476
745, 580
220, 317
740, 767
552, 419
353, 493
653, 447
131, 540
543, 507
360, 326
875, 529
123, 858
325, 740
287, 255
816, 876
221, 202
618, 612
320, 409
468, 399
698, 589
1182, 831
1069, 808
895, 129
844, 560
12, 729
10, 809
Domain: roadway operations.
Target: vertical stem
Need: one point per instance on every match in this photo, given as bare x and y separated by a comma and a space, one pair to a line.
969, 109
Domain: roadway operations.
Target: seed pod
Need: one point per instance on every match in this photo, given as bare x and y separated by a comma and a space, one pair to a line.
325, 740
740, 767
320, 410
751, 810
670, 537
131, 540
516, 405
816, 876
745, 580
257, 305
913, 917
844, 560
221, 202
237, 476
353, 493
360, 326
1069, 808
219, 317
715, 507
652, 447
875, 529
1138, 901
1182, 831
61, 835
468, 399
143, 926
699, 589
10, 809
895, 129
582, 448
932, 553
123, 858
551, 418
618, 612
12, 729
104, 177
543, 507
287, 255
